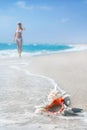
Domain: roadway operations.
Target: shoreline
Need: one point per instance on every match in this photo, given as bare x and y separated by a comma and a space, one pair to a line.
65, 69
26, 82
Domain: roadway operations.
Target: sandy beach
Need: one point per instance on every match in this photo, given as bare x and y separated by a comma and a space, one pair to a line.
25, 82
68, 70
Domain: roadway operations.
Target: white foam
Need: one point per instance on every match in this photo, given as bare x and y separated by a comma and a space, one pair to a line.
55, 85
8, 53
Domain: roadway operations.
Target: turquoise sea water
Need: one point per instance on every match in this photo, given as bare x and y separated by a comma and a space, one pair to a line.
10, 49
35, 47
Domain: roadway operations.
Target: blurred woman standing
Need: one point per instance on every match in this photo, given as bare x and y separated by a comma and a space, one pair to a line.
18, 37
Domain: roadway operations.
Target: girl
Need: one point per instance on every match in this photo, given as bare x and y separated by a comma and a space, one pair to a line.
18, 37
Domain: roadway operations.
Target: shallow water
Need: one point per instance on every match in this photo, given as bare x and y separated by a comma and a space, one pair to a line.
21, 91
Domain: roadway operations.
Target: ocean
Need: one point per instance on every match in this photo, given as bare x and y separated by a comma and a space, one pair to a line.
10, 49
35, 47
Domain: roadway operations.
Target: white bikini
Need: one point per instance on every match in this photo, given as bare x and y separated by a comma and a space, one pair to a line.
20, 38
17, 31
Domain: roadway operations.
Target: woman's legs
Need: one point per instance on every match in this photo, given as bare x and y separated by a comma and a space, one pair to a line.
19, 46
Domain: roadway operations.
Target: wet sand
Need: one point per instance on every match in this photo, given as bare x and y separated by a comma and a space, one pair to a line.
24, 84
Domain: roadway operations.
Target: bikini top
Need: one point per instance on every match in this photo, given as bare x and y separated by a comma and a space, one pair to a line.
18, 31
